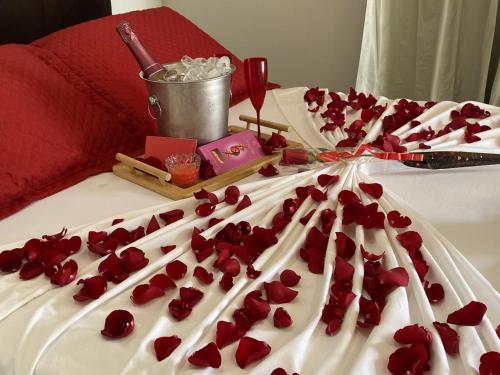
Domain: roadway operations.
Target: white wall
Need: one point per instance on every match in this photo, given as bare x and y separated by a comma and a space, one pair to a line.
122, 6
307, 42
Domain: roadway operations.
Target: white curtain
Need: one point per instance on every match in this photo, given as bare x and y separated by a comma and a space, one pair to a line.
428, 49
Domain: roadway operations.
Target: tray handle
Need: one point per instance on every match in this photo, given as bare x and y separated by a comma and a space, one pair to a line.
268, 124
139, 167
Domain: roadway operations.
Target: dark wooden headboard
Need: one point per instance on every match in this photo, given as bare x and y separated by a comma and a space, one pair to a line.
23, 21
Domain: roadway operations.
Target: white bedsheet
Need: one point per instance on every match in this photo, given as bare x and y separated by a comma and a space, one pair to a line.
48, 333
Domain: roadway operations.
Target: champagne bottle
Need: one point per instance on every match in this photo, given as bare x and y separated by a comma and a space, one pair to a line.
151, 68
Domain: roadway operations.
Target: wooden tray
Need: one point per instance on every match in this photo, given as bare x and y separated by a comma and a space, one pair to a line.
156, 180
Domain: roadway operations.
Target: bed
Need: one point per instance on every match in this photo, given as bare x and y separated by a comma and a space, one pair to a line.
46, 330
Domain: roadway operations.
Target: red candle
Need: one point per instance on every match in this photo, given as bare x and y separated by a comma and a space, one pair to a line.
184, 175
184, 169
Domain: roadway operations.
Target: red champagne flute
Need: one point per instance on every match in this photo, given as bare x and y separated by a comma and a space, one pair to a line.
256, 79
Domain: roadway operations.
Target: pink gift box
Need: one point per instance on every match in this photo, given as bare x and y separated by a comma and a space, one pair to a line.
231, 152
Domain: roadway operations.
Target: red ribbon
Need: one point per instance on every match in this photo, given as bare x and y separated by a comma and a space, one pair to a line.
329, 156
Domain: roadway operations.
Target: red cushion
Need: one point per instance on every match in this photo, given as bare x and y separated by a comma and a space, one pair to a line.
54, 130
73, 99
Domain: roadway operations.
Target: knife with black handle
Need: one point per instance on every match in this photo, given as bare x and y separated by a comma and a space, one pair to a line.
453, 159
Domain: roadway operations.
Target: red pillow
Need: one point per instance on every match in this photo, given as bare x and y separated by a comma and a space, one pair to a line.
54, 130
73, 99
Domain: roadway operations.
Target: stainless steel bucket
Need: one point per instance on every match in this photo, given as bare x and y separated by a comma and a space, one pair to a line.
196, 109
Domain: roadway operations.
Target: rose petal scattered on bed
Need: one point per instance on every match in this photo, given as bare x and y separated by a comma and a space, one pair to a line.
469, 315
227, 333
449, 337
277, 292
176, 269
118, 324
281, 318
208, 356
164, 346
251, 350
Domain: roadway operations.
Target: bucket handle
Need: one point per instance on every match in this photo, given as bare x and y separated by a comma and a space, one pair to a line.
154, 102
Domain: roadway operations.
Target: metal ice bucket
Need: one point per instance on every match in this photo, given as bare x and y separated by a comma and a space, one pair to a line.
197, 109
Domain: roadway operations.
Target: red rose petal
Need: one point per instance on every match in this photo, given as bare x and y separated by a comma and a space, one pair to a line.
203, 275
144, 293
394, 277
397, 221
162, 281
252, 273
70, 246
118, 324
51, 257
318, 195
281, 318
345, 246
172, 216
369, 256
268, 171
179, 309
305, 219
277, 141
231, 195
167, 249
153, 225
204, 194
214, 221
133, 259
231, 266
347, 197
244, 203
255, 307
116, 221
413, 334
327, 179
375, 189
411, 241
164, 346
469, 315
343, 271
106, 247
227, 333
449, 337
30, 270
190, 295
205, 209
289, 278
315, 238
65, 274
92, 288
279, 371
113, 269
403, 361
278, 293
176, 269
208, 356
489, 363
251, 350
498, 331
434, 292
333, 326
370, 313
226, 282
303, 191
137, 234
11, 260
121, 234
